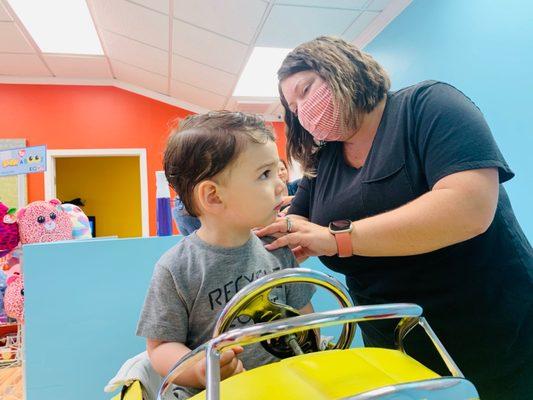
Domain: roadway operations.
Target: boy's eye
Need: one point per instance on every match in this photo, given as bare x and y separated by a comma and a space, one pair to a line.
265, 174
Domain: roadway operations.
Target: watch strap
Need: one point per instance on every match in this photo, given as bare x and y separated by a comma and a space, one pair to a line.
344, 244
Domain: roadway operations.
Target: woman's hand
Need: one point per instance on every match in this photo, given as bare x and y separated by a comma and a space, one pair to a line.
286, 200
303, 237
229, 365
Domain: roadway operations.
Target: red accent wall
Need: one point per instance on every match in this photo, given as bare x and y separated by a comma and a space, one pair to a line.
81, 117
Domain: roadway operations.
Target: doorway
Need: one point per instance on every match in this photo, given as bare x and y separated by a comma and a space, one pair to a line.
111, 183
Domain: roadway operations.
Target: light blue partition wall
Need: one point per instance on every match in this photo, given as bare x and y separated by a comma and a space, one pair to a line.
83, 300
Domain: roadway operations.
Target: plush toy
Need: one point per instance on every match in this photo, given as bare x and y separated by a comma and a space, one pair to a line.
9, 271
44, 221
14, 299
3, 285
81, 228
14, 292
39, 222
9, 230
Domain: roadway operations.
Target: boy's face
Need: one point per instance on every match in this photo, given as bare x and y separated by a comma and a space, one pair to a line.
251, 188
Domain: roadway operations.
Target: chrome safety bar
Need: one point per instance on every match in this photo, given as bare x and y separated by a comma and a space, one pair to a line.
410, 315
446, 388
259, 332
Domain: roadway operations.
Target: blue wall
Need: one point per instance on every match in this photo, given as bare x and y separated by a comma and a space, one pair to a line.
485, 49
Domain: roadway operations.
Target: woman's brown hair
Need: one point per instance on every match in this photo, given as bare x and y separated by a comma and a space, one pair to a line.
357, 81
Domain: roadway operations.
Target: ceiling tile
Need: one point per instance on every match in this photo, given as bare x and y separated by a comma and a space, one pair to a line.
135, 53
347, 4
202, 76
22, 65
207, 48
237, 19
197, 96
158, 5
378, 5
92, 67
4, 16
359, 25
139, 77
289, 26
12, 40
132, 20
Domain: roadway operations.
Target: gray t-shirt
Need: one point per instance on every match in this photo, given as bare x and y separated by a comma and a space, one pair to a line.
193, 281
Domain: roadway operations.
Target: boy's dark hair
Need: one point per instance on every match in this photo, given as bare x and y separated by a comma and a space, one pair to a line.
203, 145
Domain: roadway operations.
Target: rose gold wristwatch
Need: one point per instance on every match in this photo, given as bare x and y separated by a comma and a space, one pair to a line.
341, 229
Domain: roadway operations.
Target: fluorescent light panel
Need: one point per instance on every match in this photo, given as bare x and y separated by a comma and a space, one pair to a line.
259, 77
59, 26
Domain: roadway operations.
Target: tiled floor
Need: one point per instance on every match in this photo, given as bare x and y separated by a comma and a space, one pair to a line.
11, 383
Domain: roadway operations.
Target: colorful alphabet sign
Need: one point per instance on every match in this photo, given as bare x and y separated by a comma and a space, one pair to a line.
25, 160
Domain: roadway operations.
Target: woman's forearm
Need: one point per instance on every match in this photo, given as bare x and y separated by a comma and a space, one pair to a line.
460, 207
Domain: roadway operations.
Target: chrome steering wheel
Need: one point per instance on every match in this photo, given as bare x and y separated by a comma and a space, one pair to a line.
253, 301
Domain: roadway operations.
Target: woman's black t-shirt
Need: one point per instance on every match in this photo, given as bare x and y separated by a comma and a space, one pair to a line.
477, 295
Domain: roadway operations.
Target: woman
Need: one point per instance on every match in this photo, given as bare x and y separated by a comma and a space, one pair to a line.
283, 173
402, 193
292, 187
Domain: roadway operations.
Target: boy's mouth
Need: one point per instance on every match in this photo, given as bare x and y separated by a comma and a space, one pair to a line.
278, 206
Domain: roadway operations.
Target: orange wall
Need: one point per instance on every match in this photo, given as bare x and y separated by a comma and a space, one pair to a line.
78, 117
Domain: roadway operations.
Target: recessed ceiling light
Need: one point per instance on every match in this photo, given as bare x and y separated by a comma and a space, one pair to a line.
59, 26
259, 77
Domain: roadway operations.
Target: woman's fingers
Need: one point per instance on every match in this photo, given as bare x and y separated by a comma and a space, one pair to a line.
300, 253
280, 226
291, 240
306, 238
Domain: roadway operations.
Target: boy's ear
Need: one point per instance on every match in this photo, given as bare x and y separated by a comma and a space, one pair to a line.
209, 197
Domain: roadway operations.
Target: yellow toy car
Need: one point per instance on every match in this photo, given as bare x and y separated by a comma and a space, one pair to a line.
305, 372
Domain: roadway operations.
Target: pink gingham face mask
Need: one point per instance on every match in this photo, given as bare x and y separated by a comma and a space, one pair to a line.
319, 116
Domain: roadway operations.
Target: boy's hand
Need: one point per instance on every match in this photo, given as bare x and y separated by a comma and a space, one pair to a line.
229, 365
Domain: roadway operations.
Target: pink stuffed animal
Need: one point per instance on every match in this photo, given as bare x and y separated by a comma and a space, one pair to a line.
14, 299
9, 230
44, 221
38, 222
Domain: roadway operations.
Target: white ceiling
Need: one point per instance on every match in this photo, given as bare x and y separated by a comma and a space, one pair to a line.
188, 53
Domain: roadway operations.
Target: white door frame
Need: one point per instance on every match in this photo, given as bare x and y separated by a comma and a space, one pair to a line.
50, 173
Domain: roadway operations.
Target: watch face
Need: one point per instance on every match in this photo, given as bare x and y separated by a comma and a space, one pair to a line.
340, 225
